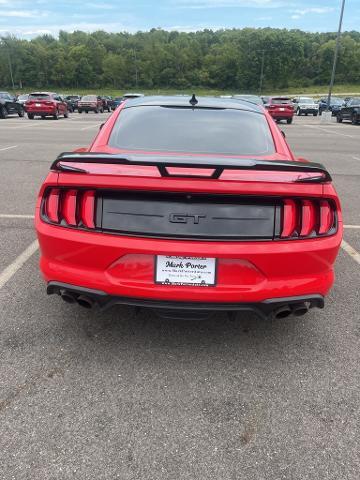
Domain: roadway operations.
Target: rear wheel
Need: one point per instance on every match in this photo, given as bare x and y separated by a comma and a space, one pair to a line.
289, 120
96, 110
31, 116
354, 119
42, 117
86, 111
339, 119
298, 112
21, 112
66, 114
56, 115
79, 111
3, 112
315, 114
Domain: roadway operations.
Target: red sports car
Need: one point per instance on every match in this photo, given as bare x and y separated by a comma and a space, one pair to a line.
189, 206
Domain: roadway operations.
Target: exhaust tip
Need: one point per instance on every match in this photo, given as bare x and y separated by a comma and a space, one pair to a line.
85, 302
300, 310
282, 312
67, 296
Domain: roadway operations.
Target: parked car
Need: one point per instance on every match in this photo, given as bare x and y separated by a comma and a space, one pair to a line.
9, 105
280, 108
189, 206
107, 102
350, 111
22, 98
335, 105
127, 96
90, 103
305, 106
72, 101
117, 101
46, 104
250, 98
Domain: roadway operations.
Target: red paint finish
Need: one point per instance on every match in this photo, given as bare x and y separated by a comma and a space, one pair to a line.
299, 262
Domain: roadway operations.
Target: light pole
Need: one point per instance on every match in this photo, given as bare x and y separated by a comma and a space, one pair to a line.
335, 55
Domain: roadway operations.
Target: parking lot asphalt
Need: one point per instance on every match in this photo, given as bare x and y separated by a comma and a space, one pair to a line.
130, 396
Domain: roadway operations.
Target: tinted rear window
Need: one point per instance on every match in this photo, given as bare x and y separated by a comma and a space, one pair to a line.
199, 130
280, 101
39, 95
89, 98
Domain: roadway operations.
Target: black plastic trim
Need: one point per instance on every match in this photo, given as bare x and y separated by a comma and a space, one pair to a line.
263, 309
219, 164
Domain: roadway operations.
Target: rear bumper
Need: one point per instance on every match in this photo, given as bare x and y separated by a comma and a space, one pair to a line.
41, 111
248, 272
281, 115
263, 309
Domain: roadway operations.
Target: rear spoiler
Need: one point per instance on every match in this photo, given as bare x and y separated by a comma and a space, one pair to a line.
215, 163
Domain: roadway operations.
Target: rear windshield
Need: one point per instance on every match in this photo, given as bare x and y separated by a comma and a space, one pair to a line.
39, 95
306, 100
90, 98
280, 101
187, 130
72, 97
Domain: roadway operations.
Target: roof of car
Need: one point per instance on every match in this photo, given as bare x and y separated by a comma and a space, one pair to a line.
203, 102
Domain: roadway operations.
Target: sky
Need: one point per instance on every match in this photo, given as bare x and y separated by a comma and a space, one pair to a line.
28, 18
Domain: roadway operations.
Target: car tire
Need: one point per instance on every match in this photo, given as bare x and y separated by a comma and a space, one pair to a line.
96, 110
354, 119
3, 112
66, 114
43, 117
315, 114
339, 119
21, 113
30, 116
289, 121
86, 111
56, 115
298, 112
79, 111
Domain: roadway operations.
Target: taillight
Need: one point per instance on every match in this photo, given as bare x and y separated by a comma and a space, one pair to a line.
70, 207
303, 218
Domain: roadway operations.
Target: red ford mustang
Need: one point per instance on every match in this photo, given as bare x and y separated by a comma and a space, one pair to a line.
189, 207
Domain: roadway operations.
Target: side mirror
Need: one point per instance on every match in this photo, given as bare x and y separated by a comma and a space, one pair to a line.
283, 133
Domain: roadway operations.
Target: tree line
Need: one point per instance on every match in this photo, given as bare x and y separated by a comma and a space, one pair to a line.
224, 59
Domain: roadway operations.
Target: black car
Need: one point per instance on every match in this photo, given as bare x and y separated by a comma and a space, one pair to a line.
107, 103
72, 102
9, 105
350, 111
335, 105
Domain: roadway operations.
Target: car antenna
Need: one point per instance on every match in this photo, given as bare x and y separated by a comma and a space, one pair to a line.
193, 100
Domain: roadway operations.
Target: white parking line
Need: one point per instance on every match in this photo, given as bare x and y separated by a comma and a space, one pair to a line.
91, 126
5, 215
356, 158
351, 251
7, 148
352, 226
19, 261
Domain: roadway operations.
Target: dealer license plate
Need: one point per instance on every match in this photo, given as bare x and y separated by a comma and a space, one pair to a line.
199, 271
282, 109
